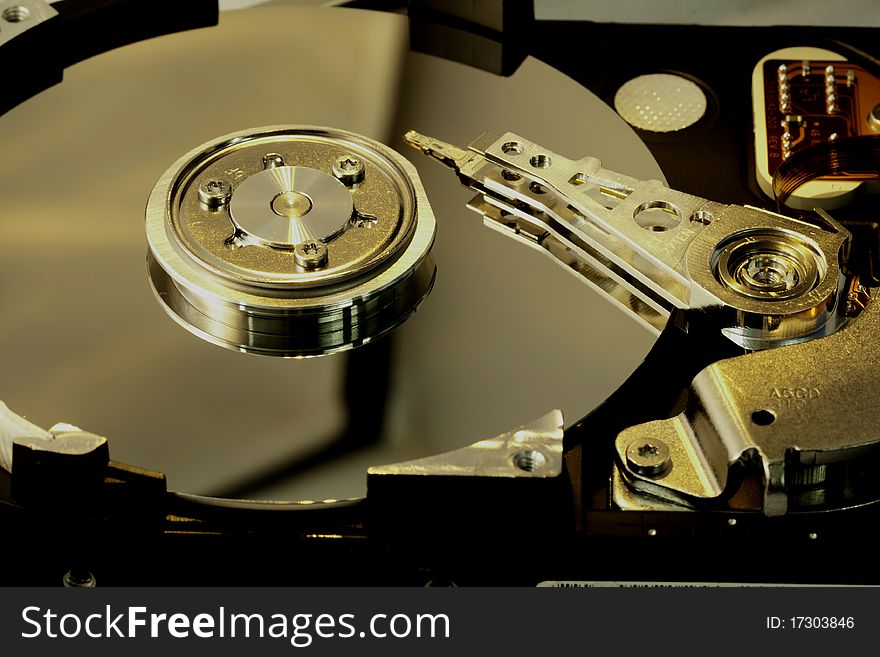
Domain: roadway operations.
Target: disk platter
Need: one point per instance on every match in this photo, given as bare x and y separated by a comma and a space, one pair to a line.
504, 337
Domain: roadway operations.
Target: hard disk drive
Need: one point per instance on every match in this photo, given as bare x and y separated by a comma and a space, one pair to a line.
258, 332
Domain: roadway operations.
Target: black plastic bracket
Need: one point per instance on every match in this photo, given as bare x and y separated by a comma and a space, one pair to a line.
486, 35
35, 60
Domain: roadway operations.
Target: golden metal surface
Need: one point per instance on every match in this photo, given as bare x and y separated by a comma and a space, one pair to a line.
532, 450
798, 409
385, 193
758, 320
252, 298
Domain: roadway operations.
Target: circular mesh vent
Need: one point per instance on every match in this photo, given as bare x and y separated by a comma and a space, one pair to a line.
660, 102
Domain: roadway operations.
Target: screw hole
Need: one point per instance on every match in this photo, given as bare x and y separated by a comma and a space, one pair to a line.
537, 188
512, 148
529, 460
763, 417
657, 216
507, 174
16, 14
540, 161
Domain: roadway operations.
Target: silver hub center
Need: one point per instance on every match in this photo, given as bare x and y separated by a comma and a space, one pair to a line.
769, 272
291, 205
285, 206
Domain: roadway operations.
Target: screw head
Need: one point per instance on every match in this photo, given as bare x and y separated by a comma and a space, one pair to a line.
349, 169
78, 578
310, 255
648, 457
215, 192
766, 272
874, 117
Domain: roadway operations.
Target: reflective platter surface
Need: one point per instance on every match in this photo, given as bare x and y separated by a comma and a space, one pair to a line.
505, 336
